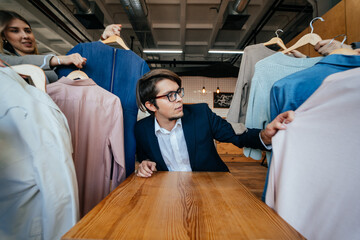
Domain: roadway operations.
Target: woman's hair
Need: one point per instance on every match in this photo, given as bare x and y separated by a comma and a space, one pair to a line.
5, 19
146, 86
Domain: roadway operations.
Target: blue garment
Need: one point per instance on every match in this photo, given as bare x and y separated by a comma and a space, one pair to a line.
267, 72
292, 91
201, 126
117, 71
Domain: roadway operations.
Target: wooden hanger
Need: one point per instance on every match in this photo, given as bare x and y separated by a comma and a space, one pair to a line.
35, 75
310, 38
116, 39
276, 40
77, 74
343, 51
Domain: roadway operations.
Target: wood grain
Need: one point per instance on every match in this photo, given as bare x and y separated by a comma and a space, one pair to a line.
352, 10
182, 205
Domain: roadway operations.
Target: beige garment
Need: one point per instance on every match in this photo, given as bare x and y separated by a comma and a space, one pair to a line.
237, 112
95, 119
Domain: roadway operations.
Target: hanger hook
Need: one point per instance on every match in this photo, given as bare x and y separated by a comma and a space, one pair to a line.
9, 109
311, 26
337, 37
276, 32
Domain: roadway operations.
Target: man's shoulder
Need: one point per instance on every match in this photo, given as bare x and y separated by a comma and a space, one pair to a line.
195, 107
145, 121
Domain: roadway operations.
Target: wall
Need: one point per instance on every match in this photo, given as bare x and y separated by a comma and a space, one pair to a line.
193, 90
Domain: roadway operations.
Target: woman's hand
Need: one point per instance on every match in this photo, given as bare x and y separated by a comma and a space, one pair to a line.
74, 58
113, 29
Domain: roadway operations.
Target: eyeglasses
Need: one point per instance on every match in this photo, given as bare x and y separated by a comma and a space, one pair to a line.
172, 96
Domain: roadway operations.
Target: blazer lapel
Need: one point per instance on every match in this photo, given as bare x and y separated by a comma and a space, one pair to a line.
154, 144
188, 124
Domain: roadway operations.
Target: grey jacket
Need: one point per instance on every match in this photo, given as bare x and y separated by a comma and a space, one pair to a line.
42, 61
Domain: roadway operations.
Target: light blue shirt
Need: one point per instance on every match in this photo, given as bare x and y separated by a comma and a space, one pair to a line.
39, 195
173, 147
292, 91
267, 72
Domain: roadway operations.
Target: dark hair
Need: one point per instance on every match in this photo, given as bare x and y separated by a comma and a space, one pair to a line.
146, 86
5, 18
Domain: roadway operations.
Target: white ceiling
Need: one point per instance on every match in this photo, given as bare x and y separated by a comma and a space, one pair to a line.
195, 26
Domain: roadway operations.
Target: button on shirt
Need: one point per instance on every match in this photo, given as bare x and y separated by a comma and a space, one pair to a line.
173, 147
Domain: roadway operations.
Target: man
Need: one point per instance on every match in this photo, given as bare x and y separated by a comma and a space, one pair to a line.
179, 137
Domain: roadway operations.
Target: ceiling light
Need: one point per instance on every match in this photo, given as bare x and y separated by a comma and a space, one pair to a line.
204, 90
226, 51
162, 51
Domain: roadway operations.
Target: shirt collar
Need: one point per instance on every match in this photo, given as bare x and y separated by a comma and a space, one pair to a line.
78, 82
163, 130
341, 60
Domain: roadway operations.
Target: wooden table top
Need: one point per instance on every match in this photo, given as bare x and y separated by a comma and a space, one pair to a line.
182, 205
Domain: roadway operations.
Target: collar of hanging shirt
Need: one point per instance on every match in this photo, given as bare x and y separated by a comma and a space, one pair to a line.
173, 147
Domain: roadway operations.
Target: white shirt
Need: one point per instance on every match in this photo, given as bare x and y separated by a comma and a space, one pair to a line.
173, 147
314, 177
39, 195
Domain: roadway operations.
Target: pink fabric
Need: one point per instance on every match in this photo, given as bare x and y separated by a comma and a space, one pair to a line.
314, 177
95, 119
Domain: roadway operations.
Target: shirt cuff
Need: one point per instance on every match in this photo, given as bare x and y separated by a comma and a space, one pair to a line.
268, 147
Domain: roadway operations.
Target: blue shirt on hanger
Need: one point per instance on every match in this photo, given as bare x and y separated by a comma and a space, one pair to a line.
292, 91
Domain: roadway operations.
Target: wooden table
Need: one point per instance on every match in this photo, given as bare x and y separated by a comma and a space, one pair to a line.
182, 205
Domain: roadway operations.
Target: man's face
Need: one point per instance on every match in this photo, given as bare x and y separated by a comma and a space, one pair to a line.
168, 110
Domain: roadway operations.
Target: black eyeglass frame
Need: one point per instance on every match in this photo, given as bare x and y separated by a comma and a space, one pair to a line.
179, 92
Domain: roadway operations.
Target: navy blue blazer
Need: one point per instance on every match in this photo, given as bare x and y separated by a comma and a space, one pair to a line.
200, 126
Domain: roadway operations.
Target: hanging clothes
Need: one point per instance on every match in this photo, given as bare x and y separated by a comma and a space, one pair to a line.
39, 195
95, 118
314, 178
292, 91
237, 111
267, 72
117, 71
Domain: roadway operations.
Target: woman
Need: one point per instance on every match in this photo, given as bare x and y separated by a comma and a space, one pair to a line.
18, 45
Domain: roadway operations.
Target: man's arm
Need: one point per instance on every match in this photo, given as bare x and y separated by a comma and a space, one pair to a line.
223, 132
276, 125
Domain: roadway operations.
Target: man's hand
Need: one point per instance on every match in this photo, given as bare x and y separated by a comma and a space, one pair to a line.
113, 29
276, 125
146, 169
323, 47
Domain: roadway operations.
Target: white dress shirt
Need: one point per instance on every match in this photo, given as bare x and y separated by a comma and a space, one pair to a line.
173, 147
39, 194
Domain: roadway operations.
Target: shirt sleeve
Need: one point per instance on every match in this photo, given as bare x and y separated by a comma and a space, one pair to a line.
116, 142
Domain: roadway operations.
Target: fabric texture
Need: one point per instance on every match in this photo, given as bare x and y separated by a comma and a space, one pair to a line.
237, 111
39, 195
201, 126
38, 60
117, 71
314, 178
267, 72
292, 91
95, 118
